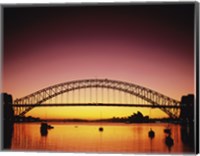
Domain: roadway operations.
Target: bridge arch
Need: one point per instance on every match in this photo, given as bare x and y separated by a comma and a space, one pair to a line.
149, 95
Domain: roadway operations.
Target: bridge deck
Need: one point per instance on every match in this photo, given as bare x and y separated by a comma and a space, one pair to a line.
93, 104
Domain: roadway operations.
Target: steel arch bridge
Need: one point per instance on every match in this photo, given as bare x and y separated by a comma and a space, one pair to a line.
166, 104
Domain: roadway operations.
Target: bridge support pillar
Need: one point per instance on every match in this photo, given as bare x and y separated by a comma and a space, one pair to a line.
187, 109
8, 119
188, 129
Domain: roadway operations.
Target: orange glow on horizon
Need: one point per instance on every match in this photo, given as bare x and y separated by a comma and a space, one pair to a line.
92, 112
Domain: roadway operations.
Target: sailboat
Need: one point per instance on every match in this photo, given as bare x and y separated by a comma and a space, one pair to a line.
151, 132
169, 141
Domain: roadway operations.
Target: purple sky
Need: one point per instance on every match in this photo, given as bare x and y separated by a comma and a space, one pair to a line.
150, 45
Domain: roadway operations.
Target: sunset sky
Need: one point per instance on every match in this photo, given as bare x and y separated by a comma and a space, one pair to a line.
148, 45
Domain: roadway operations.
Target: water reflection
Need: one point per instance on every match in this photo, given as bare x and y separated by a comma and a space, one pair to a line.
8, 135
169, 141
187, 135
86, 137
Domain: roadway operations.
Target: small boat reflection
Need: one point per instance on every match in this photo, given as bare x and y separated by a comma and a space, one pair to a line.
151, 134
169, 142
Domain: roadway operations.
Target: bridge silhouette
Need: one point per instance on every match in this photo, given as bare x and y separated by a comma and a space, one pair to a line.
149, 97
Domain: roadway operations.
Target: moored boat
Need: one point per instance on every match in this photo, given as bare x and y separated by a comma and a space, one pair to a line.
44, 129
151, 133
167, 130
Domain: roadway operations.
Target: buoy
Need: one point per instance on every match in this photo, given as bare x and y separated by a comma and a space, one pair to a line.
151, 133
100, 129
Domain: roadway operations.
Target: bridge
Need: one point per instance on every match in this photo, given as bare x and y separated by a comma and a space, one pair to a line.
97, 92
